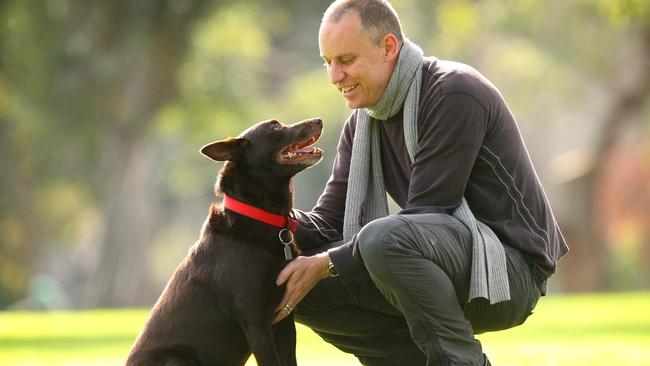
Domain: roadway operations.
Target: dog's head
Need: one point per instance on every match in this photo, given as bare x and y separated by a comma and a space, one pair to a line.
271, 150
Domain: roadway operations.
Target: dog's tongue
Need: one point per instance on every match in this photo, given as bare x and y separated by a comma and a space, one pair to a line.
306, 149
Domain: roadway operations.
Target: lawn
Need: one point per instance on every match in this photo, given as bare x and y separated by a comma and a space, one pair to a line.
599, 329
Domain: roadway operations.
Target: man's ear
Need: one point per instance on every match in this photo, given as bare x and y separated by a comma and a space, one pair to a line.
391, 46
232, 149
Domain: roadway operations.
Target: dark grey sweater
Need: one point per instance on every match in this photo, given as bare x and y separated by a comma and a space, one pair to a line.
468, 145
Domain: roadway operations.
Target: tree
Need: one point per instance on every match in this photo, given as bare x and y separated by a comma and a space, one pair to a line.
90, 79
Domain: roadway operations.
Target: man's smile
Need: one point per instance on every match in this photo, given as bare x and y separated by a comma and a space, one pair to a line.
347, 89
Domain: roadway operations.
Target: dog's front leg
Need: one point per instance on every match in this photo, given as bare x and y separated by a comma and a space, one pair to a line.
260, 339
284, 333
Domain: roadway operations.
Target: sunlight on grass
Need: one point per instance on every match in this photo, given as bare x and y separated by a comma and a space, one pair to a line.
564, 331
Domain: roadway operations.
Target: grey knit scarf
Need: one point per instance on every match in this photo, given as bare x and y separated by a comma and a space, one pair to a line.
366, 195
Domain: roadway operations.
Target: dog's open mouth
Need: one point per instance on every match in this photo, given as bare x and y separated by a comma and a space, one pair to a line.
301, 151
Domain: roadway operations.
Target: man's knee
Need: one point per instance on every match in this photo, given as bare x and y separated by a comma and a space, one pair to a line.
372, 238
437, 237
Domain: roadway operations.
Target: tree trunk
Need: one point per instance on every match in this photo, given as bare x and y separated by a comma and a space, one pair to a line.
149, 50
585, 267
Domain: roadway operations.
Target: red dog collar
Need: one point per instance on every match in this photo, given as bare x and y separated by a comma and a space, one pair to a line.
285, 222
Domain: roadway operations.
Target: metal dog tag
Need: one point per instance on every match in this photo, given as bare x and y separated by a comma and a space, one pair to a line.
287, 252
288, 255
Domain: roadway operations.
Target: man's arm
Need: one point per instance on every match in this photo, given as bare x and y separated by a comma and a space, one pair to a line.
324, 223
321, 226
450, 136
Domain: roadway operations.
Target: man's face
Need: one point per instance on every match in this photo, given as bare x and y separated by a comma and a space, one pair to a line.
356, 65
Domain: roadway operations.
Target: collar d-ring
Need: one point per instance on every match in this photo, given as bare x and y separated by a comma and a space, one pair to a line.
282, 239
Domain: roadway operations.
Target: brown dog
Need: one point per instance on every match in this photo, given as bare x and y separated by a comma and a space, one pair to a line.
218, 306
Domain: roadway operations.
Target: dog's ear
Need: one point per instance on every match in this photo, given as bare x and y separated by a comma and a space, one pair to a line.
232, 149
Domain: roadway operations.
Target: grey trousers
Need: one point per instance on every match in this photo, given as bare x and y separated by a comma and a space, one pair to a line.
410, 307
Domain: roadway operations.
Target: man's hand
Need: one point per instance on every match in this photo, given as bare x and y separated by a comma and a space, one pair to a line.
300, 275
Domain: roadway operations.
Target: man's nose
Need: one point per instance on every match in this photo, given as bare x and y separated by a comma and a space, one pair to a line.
336, 73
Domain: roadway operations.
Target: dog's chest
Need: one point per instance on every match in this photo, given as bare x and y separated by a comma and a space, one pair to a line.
244, 260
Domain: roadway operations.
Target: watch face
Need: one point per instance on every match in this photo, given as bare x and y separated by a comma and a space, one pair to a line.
331, 270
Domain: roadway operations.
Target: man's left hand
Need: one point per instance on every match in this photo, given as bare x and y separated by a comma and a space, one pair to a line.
300, 276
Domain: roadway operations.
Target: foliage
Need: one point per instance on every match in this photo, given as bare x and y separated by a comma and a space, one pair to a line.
104, 105
601, 329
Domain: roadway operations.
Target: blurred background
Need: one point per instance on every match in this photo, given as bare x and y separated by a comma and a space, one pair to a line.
105, 104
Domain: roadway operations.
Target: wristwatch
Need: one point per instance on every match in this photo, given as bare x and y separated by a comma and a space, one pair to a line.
330, 268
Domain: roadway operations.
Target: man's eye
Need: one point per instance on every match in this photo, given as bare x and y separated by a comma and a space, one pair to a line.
347, 61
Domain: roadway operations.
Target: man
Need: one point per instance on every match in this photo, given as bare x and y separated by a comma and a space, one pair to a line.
475, 241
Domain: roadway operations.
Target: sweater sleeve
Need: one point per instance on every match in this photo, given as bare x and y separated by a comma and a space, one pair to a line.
324, 223
451, 132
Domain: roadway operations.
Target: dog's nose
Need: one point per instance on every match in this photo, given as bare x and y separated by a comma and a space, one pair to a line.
310, 121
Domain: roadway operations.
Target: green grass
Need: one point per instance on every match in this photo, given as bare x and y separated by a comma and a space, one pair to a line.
607, 329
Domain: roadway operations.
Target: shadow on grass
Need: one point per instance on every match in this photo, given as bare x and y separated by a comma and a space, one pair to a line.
66, 342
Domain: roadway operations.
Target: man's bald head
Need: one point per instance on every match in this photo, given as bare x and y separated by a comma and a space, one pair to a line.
378, 17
